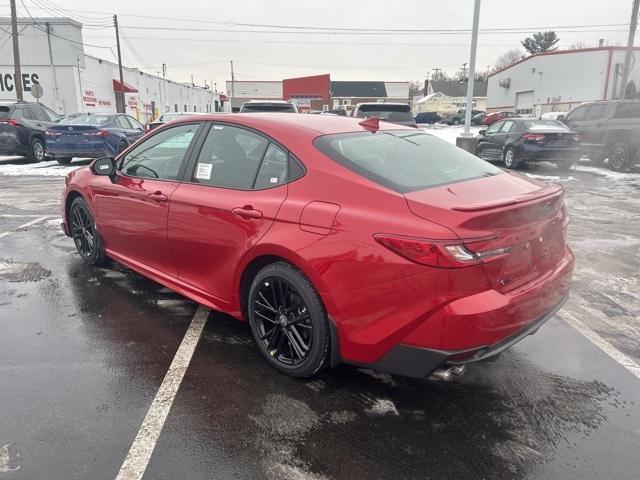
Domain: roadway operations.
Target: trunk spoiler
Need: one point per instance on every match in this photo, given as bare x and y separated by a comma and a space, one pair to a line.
548, 191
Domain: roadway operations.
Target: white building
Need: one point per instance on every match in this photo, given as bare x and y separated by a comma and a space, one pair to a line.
559, 80
52, 55
241, 91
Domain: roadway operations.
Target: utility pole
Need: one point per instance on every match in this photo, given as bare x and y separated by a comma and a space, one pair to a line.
472, 68
164, 86
17, 73
629, 53
120, 105
233, 79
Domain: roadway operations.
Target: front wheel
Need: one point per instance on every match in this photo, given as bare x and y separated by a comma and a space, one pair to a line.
83, 231
288, 320
620, 157
509, 158
36, 153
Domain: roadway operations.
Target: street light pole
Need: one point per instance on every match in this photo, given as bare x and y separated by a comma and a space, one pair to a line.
627, 58
472, 68
17, 73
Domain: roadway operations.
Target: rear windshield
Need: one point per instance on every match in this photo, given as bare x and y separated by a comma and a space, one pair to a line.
545, 125
393, 113
4, 112
267, 108
403, 161
86, 120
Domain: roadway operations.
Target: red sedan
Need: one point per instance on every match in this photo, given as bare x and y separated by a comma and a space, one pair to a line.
491, 118
337, 239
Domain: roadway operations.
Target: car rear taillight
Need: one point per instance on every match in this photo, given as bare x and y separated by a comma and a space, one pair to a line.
11, 121
439, 254
533, 137
577, 137
99, 133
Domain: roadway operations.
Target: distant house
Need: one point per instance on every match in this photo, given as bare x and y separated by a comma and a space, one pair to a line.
445, 96
350, 93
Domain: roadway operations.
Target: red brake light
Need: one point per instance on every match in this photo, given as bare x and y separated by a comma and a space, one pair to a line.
11, 121
533, 137
99, 133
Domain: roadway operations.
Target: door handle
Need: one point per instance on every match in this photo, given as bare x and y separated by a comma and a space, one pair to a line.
247, 212
158, 196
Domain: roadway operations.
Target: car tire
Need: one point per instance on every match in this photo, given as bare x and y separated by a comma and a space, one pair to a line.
82, 227
455, 121
288, 320
510, 158
63, 160
36, 151
620, 157
122, 146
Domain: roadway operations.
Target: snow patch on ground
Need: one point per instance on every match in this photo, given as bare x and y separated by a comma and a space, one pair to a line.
605, 172
21, 167
382, 406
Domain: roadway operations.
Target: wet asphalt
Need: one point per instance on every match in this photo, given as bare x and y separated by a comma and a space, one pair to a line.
83, 351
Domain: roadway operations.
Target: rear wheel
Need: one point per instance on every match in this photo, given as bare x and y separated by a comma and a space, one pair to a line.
64, 160
456, 121
620, 157
565, 166
288, 320
84, 234
36, 153
509, 158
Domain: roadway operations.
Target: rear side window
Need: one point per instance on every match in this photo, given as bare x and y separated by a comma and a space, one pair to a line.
273, 170
627, 110
596, 112
403, 161
230, 157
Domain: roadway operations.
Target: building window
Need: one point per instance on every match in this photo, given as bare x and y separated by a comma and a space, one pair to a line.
195, 109
325, 107
346, 101
175, 106
524, 111
185, 108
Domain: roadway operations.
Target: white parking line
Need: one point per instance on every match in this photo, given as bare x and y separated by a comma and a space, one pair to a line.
25, 225
624, 360
140, 452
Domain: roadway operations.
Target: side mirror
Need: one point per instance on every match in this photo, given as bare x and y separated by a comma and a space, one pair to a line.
482, 132
105, 166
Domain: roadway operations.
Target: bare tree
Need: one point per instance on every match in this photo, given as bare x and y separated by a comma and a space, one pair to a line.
508, 58
578, 46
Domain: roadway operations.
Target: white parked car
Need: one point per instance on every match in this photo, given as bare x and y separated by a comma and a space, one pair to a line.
551, 115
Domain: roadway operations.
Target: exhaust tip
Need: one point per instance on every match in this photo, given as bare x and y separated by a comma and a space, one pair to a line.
443, 373
459, 369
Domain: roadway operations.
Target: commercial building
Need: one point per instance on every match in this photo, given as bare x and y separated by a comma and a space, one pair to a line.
52, 55
559, 80
318, 92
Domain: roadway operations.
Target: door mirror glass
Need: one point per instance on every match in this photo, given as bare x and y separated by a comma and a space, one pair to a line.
104, 166
482, 132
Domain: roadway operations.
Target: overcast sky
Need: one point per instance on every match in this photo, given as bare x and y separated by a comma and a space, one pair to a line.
205, 54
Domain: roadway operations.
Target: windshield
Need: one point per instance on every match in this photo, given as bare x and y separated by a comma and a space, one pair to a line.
545, 125
86, 120
403, 161
267, 107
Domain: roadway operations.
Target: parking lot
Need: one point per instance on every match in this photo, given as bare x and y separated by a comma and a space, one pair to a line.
84, 351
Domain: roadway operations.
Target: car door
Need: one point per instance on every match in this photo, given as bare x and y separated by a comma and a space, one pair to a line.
506, 134
132, 211
42, 120
228, 202
591, 126
489, 146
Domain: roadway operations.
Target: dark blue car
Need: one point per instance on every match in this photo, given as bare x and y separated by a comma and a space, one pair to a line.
91, 135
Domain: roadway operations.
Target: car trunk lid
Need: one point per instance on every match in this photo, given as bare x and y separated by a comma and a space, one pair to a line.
522, 218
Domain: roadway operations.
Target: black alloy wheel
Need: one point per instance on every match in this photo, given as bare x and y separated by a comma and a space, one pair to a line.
620, 157
288, 320
83, 231
37, 150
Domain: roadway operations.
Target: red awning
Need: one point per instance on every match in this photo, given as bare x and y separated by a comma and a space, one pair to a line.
223, 98
118, 87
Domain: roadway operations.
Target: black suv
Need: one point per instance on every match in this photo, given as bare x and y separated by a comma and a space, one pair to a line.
609, 129
22, 127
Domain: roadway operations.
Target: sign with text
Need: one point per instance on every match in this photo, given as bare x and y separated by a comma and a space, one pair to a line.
7, 83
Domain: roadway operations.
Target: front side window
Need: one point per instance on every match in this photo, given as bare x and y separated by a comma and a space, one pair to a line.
161, 155
578, 113
230, 157
494, 128
507, 126
596, 112
403, 161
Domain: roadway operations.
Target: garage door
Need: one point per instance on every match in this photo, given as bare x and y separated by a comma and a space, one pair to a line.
524, 103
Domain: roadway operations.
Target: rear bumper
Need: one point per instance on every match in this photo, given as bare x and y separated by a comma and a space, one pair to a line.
532, 153
419, 362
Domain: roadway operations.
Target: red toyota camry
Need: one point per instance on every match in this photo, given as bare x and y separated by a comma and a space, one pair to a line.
337, 239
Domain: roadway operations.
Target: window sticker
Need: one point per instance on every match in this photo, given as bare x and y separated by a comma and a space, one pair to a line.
273, 179
204, 171
218, 127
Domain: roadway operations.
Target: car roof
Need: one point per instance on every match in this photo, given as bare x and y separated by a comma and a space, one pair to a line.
295, 123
